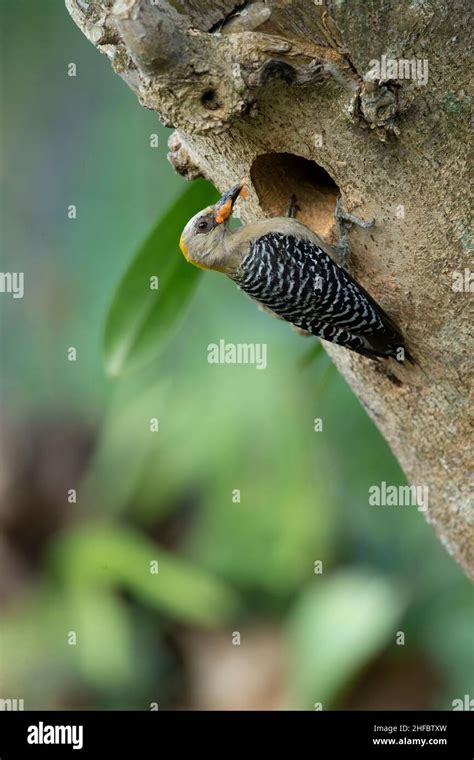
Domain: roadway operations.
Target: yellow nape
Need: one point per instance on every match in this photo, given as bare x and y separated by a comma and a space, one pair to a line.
185, 252
183, 247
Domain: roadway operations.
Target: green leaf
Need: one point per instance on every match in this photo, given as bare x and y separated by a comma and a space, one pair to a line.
104, 635
140, 319
338, 627
314, 353
99, 556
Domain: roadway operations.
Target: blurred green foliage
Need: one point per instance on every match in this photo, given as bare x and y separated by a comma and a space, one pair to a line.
102, 557
167, 496
155, 289
337, 628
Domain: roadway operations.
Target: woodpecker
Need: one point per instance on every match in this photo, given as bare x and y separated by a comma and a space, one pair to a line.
288, 270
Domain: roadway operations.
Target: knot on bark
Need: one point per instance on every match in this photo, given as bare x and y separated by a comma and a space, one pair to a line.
180, 158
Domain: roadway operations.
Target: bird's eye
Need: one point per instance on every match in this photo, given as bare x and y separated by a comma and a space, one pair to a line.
203, 225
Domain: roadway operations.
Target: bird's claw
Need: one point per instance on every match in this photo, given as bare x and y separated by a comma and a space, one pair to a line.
344, 220
292, 208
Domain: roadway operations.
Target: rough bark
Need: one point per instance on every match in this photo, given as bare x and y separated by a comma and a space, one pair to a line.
263, 92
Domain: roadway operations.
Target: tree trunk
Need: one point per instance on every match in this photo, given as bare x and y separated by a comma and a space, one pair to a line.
288, 94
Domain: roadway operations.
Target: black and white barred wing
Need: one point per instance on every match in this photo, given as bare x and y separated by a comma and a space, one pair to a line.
299, 282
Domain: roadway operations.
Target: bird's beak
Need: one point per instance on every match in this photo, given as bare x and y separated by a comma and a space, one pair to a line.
225, 204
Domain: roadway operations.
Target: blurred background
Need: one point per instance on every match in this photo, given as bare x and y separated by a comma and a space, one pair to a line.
132, 573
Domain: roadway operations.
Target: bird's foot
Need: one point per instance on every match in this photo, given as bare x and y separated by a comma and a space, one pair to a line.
344, 221
293, 207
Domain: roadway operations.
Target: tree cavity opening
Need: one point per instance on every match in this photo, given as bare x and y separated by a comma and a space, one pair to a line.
278, 176
210, 100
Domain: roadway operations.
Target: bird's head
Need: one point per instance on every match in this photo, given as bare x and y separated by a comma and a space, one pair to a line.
202, 239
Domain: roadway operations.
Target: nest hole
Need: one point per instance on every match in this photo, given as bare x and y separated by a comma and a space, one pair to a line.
210, 100
278, 176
